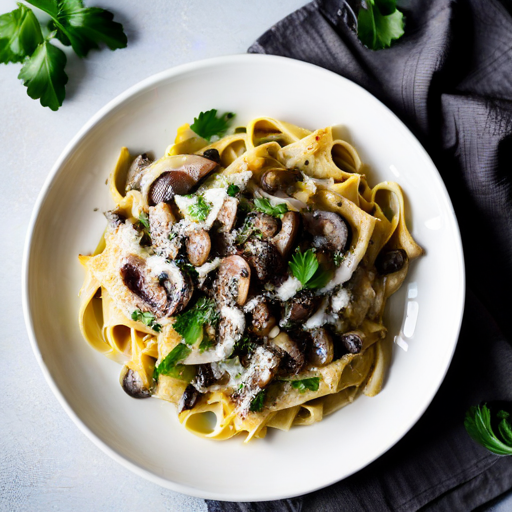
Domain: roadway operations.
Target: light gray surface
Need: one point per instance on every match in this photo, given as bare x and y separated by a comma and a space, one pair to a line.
45, 461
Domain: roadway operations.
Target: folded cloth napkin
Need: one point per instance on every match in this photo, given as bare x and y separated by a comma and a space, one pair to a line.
450, 80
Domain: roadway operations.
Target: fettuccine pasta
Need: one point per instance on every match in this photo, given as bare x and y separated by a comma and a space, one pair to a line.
245, 279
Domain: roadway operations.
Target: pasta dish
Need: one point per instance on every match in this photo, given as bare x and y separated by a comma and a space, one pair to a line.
243, 277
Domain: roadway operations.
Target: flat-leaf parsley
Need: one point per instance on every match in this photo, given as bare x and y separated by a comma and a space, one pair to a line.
207, 124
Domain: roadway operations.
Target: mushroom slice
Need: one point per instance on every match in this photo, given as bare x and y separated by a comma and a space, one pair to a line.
300, 308
321, 351
233, 280
264, 258
285, 239
171, 175
198, 246
163, 295
188, 399
329, 230
295, 360
390, 261
262, 319
227, 214
136, 172
265, 224
279, 179
132, 384
161, 220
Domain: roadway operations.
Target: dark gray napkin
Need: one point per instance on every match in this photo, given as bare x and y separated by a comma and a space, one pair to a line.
450, 80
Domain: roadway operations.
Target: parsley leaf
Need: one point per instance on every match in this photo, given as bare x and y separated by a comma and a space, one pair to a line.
82, 28
478, 426
233, 190
169, 365
307, 270
207, 124
338, 258
20, 34
263, 205
200, 209
303, 385
43, 75
146, 318
190, 324
144, 220
379, 23
258, 401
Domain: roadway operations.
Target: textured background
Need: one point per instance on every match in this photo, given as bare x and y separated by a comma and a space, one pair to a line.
46, 463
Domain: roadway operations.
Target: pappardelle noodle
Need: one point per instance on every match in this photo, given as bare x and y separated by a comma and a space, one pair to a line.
245, 279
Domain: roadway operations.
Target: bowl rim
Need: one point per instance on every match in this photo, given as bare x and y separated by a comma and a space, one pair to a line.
57, 169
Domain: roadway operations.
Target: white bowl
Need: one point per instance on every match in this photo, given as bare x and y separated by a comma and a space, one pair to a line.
145, 435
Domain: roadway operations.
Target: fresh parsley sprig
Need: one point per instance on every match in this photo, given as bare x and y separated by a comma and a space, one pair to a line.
258, 401
146, 318
307, 270
478, 425
233, 190
263, 205
190, 323
208, 124
311, 384
82, 28
169, 365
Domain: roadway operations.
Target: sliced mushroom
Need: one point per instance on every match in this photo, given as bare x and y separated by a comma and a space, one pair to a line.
227, 214
321, 351
262, 319
132, 384
233, 280
164, 296
329, 230
161, 220
285, 239
171, 175
265, 361
264, 258
213, 155
353, 341
188, 399
295, 360
390, 261
204, 377
265, 224
300, 308
136, 171
198, 246
279, 179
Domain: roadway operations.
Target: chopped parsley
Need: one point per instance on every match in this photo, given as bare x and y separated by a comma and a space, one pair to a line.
233, 190
263, 205
244, 232
258, 401
200, 209
307, 270
478, 425
311, 384
207, 124
144, 220
190, 324
146, 318
169, 364
338, 257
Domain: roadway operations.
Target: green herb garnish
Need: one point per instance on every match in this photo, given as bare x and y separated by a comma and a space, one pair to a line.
206, 344
263, 205
190, 324
379, 22
302, 385
233, 190
478, 425
307, 270
338, 257
146, 318
257, 402
207, 124
200, 209
169, 365
82, 28
144, 220
244, 232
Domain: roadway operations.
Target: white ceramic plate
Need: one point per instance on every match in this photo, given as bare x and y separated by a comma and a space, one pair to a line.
145, 435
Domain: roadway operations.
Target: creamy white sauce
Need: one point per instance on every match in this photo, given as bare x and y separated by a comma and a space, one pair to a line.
214, 197
343, 273
340, 300
320, 317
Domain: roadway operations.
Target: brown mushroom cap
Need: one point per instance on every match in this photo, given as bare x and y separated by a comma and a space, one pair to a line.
329, 230
262, 319
132, 384
267, 225
295, 360
171, 175
279, 179
285, 239
264, 258
233, 280
136, 171
198, 246
321, 351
